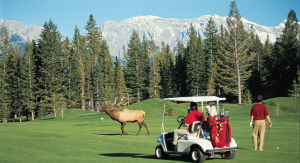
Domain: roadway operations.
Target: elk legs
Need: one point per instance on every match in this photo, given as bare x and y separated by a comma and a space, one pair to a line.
122, 128
141, 125
144, 124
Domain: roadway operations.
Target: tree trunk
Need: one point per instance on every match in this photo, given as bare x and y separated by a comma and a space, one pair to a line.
54, 112
89, 94
237, 68
82, 98
32, 115
62, 113
239, 86
97, 95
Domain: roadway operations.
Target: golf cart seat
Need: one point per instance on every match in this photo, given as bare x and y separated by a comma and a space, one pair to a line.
200, 129
196, 129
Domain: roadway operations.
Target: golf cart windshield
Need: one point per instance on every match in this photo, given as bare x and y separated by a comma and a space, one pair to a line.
196, 99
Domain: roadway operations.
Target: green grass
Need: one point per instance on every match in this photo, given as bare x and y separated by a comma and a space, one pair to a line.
82, 137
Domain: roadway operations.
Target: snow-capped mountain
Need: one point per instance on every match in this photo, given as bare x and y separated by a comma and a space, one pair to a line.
171, 30
21, 33
159, 29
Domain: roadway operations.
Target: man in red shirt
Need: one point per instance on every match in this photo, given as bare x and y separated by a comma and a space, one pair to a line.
258, 113
193, 116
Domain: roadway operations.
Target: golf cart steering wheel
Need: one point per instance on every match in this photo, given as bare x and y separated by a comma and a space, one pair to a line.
180, 121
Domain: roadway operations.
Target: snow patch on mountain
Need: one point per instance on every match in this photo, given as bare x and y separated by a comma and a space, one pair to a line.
21, 33
171, 30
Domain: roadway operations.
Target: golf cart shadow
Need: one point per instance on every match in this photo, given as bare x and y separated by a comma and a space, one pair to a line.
136, 155
133, 155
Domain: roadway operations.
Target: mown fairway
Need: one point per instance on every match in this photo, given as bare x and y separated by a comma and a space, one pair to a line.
81, 136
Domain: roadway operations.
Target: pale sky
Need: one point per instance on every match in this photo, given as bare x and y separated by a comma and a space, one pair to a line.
68, 13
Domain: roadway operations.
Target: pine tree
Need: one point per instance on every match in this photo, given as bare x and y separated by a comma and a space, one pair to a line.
59, 102
106, 63
133, 69
119, 80
162, 63
195, 63
254, 84
14, 82
167, 71
127, 90
82, 82
145, 63
295, 91
93, 39
287, 57
28, 85
211, 49
98, 86
71, 75
80, 52
6, 50
267, 63
180, 70
203, 74
154, 76
50, 75
234, 49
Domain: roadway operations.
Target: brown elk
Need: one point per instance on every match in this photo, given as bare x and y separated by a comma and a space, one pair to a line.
125, 115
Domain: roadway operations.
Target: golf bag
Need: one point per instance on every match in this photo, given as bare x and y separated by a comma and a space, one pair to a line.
213, 131
225, 131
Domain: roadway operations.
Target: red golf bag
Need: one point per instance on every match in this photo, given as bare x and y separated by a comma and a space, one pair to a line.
213, 131
224, 138
225, 131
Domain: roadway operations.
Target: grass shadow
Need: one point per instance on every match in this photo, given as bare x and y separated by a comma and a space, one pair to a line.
288, 109
47, 119
107, 134
113, 134
17, 120
90, 115
136, 155
120, 154
174, 157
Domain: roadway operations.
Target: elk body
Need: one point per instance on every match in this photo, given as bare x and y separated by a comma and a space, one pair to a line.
123, 116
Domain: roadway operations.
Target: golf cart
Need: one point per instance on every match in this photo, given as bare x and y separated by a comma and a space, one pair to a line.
197, 145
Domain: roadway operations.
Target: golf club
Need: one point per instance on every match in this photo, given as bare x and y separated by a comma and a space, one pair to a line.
267, 137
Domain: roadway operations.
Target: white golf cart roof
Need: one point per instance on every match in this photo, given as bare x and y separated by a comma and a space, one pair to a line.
196, 99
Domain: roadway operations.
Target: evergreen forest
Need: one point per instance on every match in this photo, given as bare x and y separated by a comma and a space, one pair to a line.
50, 75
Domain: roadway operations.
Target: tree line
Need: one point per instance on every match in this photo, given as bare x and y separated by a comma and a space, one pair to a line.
51, 75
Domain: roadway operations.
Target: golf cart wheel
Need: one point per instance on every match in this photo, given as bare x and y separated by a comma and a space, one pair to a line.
228, 155
196, 155
159, 152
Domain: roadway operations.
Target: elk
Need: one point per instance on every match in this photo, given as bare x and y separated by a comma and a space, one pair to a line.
125, 115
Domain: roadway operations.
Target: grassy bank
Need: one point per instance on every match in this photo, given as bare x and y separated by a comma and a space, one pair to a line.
81, 136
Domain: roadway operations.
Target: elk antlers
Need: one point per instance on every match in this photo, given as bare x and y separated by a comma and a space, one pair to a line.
120, 103
111, 106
